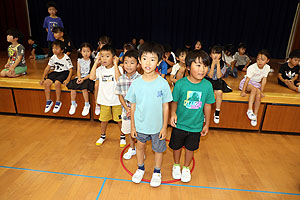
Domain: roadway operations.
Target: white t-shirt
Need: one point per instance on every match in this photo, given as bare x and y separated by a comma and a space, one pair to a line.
256, 74
227, 59
85, 66
107, 86
175, 69
60, 65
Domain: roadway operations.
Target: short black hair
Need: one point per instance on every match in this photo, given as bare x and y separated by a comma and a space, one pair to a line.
16, 34
132, 54
151, 47
59, 43
51, 4
230, 48
242, 46
194, 54
295, 54
180, 51
105, 40
58, 29
167, 48
110, 48
216, 49
264, 52
128, 46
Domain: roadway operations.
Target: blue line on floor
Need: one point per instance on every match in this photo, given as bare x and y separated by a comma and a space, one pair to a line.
170, 184
101, 189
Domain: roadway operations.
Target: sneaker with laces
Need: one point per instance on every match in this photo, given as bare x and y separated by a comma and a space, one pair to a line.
253, 122
131, 152
186, 175
122, 142
176, 172
155, 180
251, 115
216, 119
72, 109
86, 110
49, 104
57, 107
100, 140
138, 176
97, 109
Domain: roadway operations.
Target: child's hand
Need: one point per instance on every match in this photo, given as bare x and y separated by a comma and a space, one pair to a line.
244, 69
204, 130
262, 95
173, 119
98, 60
79, 81
42, 82
128, 110
11, 69
133, 132
243, 94
116, 61
163, 134
66, 82
7, 66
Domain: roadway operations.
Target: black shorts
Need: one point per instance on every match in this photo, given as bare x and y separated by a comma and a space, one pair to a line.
284, 85
180, 138
58, 76
216, 84
240, 67
87, 84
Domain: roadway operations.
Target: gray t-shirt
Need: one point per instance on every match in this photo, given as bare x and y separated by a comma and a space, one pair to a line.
240, 59
85, 67
14, 53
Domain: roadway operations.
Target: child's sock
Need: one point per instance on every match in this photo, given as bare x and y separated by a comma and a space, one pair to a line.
103, 136
217, 113
73, 103
156, 170
48, 102
175, 165
141, 167
86, 104
184, 167
122, 137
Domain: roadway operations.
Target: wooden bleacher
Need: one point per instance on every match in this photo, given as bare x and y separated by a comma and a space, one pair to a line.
279, 111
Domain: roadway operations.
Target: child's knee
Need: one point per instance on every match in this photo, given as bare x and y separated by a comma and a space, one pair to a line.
3, 73
219, 93
48, 83
57, 83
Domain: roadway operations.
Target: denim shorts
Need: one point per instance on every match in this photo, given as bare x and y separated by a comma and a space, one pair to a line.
158, 145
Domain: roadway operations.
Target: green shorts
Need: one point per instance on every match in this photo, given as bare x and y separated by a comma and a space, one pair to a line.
18, 70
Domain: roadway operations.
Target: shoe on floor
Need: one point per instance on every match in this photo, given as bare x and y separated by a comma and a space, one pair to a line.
97, 109
100, 140
49, 104
155, 180
176, 172
72, 109
57, 107
131, 152
86, 110
186, 175
138, 176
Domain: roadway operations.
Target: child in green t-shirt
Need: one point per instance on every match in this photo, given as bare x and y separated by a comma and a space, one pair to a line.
191, 96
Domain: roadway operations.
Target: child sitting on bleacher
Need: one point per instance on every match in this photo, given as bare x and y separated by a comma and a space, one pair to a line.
82, 82
242, 61
59, 34
254, 82
179, 69
227, 57
63, 68
289, 72
15, 65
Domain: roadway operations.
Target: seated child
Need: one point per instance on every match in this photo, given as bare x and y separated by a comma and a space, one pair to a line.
214, 75
289, 72
149, 96
123, 84
15, 65
82, 82
36, 52
126, 47
59, 34
193, 96
63, 68
241, 59
254, 82
178, 70
169, 57
227, 57
109, 102
162, 69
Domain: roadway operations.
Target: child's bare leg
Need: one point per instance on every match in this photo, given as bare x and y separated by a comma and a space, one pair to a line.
292, 86
252, 90
57, 89
131, 141
140, 152
96, 87
47, 85
158, 159
103, 127
188, 157
73, 95
3, 73
177, 155
218, 94
257, 101
85, 95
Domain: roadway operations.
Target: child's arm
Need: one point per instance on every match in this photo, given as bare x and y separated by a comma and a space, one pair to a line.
93, 70
163, 131
219, 73
173, 119
6, 66
263, 84
47, 69
243, 92
32, 54
212, 69
133, 130
279, 76
117, 71
247, 64
207, 111
172, 79
122, 101
69, 77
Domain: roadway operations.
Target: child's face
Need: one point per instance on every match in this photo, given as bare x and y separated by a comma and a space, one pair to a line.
57, 50
30, 42
261, 60
134, 41
86, 52
9, 38
106, 58
130, 65
294, 61
58, 35
242, 51
182, 57
52, 11
148, 62
198, 45
215, 56
141, 41
227, 53
198, 70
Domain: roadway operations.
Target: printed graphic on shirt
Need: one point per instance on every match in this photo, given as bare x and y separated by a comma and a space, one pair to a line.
193, 100
159, 93
52, 25
290, 74
107, 78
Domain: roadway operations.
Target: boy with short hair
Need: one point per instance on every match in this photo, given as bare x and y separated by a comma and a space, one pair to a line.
16, 65
241, 60
107, 74
192, 95
289, 72
49, 23
123, 84
63, 68
149, 96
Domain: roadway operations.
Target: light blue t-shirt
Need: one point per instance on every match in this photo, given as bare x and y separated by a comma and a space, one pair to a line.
149, 97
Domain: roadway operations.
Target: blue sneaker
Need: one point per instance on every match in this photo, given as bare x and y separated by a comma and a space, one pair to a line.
49, 104
57, 106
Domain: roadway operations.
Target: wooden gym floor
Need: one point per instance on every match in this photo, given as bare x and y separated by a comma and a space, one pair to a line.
50, 158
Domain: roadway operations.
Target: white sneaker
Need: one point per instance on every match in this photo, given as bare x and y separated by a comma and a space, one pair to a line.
86, 110
48, 107
185, 175
72, 109
253, 122
251, 115
176, 172
100, 141
97, 110
138, 176
216, 119
131, 152
122, 142
155, 180
57, 107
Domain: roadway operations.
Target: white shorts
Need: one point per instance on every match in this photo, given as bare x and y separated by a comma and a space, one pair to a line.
126, 125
